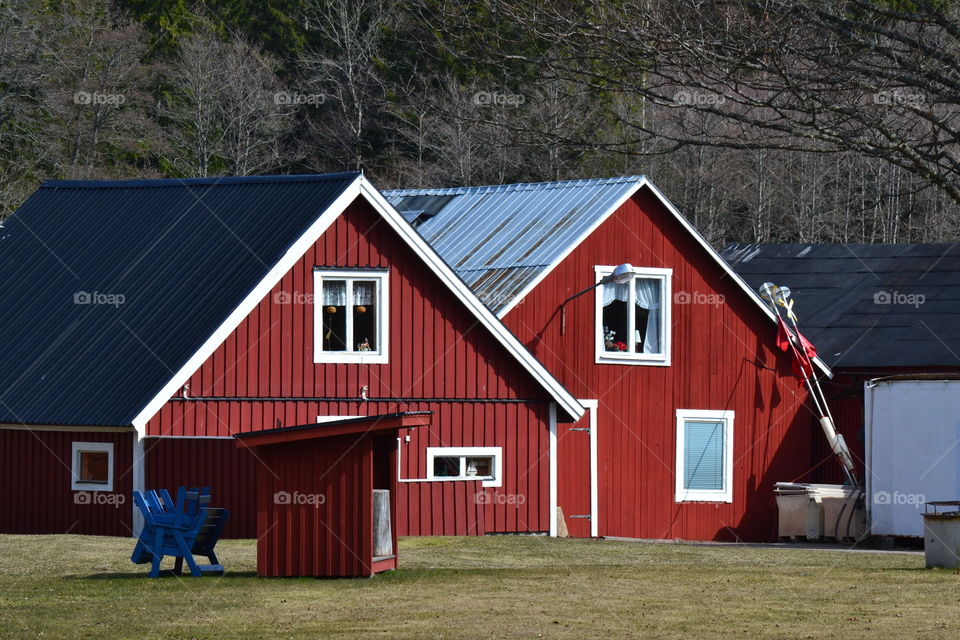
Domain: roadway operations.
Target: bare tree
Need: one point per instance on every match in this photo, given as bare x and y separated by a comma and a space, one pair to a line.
97, 88
344, 70
878, 79
21, 142
225, 112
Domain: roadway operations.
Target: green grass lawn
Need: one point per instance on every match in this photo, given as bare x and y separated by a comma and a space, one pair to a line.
495, 587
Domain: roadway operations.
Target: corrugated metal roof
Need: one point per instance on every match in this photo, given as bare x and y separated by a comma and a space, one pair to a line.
500, 238
866, 305
107, 288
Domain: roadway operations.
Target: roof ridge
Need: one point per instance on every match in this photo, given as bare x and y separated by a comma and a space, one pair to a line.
516, 186
186, 182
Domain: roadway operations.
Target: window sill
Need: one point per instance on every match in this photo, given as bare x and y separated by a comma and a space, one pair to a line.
350, 358
88, 486
661, 361
704, 496
487, 481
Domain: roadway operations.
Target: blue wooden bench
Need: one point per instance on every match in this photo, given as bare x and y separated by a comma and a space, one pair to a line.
180, 528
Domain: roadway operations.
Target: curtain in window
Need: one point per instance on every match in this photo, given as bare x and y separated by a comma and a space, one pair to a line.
614, 291
335, 293
648, 297
363, 293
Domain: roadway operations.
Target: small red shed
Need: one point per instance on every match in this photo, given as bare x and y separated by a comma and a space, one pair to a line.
326, 496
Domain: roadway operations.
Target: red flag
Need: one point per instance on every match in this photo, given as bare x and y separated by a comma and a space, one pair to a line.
801, 357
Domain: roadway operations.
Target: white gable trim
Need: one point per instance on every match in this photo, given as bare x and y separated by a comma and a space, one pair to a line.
249, 303
359, 187
753, 295
645, 182
486, 317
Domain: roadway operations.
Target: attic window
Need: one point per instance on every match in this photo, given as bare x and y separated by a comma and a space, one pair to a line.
350, 316
633, 319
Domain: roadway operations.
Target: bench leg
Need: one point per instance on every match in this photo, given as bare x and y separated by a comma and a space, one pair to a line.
185, 551
157, 553
178, 565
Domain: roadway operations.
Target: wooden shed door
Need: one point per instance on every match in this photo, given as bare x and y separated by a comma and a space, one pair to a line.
577, 472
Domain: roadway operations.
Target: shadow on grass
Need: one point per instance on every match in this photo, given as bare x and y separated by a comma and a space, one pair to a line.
164, 573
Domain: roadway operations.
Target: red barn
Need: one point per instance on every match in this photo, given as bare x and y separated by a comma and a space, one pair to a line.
151, 321
691, 418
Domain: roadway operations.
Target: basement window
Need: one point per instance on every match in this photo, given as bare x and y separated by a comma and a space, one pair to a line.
633, 319
466, 463
92, 466
704, 471
350, 316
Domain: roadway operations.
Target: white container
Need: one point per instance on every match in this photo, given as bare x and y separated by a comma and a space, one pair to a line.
941, 536
911, 451
813, 510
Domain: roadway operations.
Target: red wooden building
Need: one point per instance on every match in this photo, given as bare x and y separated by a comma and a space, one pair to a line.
324, 496
248, 304
178, 314
691, 418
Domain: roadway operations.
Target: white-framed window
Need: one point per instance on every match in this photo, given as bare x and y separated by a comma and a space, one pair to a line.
466, 463
351, 316
633, 319
704, 456
91, 466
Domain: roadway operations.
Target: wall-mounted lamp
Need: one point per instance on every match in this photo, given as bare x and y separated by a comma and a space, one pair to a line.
621, 275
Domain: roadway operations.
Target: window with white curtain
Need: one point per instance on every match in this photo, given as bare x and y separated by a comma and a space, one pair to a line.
704, 470
350, 316
633, 319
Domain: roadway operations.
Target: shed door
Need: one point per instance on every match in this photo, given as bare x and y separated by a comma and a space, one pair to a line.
577, 472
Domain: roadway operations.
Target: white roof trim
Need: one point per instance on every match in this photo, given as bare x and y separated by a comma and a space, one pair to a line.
247, 305
359, 187
486, 317
645, 182
723, 263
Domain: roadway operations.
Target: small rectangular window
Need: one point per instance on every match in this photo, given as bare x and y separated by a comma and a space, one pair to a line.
633, 318
351, 316
465, 463
92, 466
704, 456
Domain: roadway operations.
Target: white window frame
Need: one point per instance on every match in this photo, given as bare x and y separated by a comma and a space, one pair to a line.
76, 448
650, 359
381, 356
703, 495
467, 452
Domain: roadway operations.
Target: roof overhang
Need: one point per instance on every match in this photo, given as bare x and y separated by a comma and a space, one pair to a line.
332, 428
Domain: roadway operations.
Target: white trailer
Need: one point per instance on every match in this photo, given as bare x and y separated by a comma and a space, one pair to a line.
912, 451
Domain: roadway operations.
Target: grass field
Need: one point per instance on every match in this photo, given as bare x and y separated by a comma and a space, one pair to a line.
494, 587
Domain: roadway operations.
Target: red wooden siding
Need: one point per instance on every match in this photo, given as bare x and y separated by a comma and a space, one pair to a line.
441, 360
207, 462
323, 535
721, 359
35, 480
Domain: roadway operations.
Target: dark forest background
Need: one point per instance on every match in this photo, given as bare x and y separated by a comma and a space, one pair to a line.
763, 121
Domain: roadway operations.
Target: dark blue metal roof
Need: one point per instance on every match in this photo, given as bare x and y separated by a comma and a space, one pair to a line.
866, 305
499, 239
107, 288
